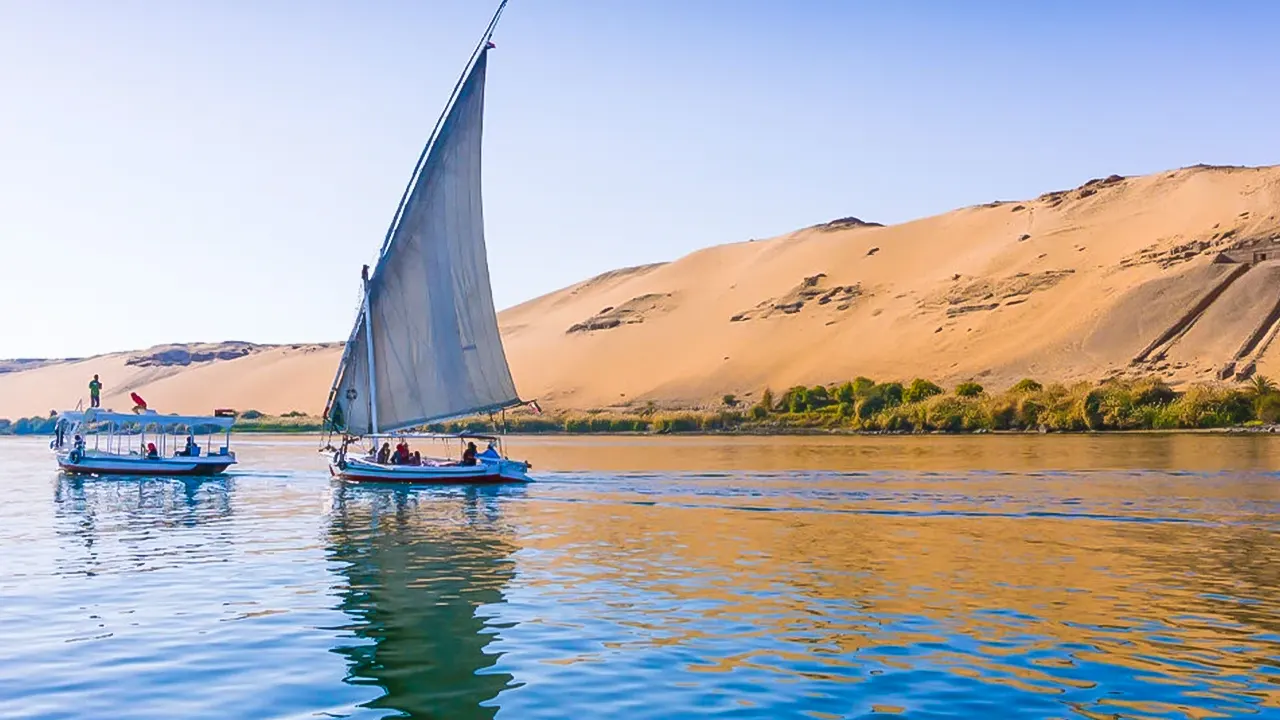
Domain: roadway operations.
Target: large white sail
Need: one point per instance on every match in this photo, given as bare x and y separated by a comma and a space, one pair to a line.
436, 350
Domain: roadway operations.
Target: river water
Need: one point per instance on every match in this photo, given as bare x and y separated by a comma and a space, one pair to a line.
1133, 576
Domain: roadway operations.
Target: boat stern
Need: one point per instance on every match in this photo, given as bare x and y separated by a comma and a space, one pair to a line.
512, 470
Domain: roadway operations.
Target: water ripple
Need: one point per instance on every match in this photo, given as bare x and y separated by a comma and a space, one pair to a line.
868, 594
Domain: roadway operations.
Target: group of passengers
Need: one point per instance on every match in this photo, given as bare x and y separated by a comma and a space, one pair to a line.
403, 456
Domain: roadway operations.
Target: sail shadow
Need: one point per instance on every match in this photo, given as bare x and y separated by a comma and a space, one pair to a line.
413, 568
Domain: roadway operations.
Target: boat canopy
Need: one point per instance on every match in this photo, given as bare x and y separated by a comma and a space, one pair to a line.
148, 418
426, 345
438, 436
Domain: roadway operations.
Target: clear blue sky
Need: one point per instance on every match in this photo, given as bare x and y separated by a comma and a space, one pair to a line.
185, 171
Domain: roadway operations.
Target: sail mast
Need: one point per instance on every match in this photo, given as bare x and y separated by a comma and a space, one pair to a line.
368, 343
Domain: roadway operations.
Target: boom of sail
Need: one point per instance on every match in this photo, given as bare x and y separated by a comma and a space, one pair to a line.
426, 345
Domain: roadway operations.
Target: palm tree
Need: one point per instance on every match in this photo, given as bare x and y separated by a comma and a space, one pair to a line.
1261, 386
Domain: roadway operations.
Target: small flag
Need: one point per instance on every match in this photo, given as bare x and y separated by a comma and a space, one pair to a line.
535, 407
489, 45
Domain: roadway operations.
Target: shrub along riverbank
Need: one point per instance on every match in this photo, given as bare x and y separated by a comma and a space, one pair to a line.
863, 405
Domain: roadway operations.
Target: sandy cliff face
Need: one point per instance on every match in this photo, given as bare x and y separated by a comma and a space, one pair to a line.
1073, 284
1120, 275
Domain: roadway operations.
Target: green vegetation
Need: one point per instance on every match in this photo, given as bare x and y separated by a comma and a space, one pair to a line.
252, 421
1026, 385
920, 390
28, 426
862, 405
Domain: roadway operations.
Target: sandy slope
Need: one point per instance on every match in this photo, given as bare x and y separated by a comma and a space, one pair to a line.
273, 379
1070, 285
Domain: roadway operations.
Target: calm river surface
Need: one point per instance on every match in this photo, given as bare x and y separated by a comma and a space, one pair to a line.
924, 577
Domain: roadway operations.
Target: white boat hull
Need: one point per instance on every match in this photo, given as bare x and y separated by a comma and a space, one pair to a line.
483, 472
102, 464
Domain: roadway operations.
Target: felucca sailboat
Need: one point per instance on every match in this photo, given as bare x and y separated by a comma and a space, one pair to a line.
425, 346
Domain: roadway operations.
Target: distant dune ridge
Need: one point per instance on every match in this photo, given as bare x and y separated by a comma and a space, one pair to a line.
1176, 273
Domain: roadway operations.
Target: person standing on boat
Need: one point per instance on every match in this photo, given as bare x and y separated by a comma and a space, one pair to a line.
95, 392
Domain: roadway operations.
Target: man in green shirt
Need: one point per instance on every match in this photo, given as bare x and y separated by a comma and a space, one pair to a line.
95, 392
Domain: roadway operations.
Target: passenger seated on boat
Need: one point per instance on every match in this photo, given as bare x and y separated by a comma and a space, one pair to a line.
491, 452
416, 459
191, 449
384, 455
402, 455
78, 443
469, 455
152, 452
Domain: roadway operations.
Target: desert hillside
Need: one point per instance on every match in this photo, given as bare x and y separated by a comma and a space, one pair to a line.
1173, 273
178, 378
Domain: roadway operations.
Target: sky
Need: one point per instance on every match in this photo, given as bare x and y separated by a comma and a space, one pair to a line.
182, 171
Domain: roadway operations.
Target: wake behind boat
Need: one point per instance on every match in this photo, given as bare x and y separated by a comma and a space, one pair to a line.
425, 346
98, 442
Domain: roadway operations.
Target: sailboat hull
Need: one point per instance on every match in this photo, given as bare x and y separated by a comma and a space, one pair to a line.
483, 472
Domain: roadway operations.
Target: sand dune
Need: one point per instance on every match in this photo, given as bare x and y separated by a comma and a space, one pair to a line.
1071, 285
273, 379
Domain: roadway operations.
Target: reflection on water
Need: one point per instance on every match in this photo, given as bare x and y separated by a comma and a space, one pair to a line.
808, 578
418, 568
91, 509
151, 500
961, 596
940, 453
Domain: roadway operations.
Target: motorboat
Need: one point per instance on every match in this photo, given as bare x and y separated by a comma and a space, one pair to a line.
102, 442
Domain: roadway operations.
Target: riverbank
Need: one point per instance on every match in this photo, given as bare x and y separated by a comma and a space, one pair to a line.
865, 407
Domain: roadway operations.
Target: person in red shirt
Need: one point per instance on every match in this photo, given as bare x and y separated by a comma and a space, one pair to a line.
402, 453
